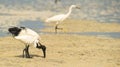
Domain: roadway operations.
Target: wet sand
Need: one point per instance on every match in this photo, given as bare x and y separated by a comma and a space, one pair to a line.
66, 50
75, 25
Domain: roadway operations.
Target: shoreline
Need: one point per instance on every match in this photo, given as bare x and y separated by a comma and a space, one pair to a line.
83, 26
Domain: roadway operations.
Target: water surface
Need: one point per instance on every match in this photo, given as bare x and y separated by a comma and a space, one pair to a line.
99, 10
98, 34
37, 25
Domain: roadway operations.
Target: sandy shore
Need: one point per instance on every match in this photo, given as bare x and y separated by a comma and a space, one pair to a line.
66, 50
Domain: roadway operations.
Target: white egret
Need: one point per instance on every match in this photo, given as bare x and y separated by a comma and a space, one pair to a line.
27, 36
59, 18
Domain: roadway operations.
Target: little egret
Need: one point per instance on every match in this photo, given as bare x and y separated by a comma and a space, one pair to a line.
59, 18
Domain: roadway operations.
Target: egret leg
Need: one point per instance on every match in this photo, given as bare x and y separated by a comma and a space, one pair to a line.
56, 27
26, 51
40, 46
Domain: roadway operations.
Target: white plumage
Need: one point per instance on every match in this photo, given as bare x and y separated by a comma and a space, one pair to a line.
57, 18
28, 32
61, 17
28, 36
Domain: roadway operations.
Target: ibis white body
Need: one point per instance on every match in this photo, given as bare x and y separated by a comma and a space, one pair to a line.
28, 36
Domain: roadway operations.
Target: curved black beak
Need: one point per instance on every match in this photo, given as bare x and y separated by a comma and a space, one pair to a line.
43, 49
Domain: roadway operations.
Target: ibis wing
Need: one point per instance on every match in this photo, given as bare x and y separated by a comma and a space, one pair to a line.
26, 38
28, 32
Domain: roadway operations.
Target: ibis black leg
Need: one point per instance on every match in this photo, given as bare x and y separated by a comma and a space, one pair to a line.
26, 52
23, 52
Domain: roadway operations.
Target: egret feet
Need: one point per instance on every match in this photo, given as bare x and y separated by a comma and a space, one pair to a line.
56, 28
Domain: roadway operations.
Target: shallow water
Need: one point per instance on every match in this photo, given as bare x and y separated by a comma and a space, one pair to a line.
100, 10
99, 34
37, 25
